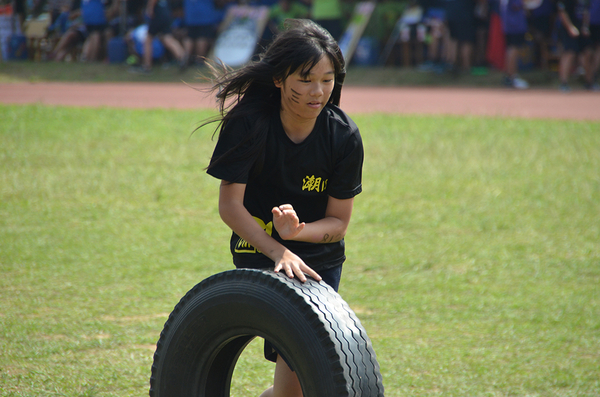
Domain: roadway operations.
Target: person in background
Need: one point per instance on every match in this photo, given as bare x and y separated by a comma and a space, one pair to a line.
95, 15
178, 29
434, 19
574, 34
134, 16
285, 9
514, 22
482, 26
382, 26
539, 20
20, 11
328, 14
201, 19
595, 42
158, 16
58, 11
73, 37
412, 34
278, 13
460, 16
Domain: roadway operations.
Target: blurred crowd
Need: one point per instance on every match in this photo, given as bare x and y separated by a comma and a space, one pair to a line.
437, 36
464, 36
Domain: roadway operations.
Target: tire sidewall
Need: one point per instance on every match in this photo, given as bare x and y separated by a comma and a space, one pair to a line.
222, 312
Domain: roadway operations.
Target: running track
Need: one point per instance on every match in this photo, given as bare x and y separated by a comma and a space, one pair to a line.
577, 105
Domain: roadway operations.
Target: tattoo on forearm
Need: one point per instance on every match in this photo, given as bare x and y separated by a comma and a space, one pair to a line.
329, 239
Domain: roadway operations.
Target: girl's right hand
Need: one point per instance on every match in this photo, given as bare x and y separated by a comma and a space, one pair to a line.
292, 265
286, 221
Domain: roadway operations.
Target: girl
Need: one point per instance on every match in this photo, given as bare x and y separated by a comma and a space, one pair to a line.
290, 163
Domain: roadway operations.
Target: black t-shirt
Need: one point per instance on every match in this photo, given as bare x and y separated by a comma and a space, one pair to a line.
327, 163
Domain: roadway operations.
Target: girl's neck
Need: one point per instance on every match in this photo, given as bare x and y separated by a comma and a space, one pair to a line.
296, 129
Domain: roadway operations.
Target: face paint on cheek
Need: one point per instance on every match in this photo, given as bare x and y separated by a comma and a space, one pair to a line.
295, 96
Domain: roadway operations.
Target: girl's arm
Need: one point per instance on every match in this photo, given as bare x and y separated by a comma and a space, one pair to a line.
331, 228
237, 217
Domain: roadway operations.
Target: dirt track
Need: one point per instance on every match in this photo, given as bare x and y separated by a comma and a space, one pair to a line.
577, 105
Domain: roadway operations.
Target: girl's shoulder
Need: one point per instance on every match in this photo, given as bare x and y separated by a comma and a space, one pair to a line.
339, 121
240, 123
342, 132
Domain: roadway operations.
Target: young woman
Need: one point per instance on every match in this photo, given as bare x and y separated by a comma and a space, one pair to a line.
290, 163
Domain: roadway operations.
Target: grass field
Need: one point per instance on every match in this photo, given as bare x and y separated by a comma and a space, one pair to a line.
473, 253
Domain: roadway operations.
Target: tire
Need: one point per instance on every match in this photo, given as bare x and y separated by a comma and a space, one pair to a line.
310, 324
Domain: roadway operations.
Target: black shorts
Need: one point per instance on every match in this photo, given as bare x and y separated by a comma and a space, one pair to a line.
515, 40
568, 43
573, 44
82, 32
330, 277
585, 42
595, 34
541, 25
462, 31
95, 28
202, 31
160, 22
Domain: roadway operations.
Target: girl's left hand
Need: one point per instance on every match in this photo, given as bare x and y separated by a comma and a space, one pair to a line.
286, 221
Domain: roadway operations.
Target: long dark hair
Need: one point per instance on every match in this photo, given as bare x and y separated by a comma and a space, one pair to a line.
251, 90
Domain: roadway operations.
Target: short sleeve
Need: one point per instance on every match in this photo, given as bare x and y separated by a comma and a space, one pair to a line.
346, 181
235, 168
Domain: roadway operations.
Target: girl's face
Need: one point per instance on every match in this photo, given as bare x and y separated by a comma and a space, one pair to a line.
306, 96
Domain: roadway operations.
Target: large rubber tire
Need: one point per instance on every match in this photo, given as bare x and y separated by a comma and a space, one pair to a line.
309, 324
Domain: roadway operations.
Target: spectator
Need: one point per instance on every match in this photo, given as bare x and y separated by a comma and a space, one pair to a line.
514, 23
328, 14
134, 16
201, 18
158, 16
482, 26
434, 19
460, 15
178, 29
58, 11
595, 41
382, 25
412, 33
540, 21
285, 9
20, 11
573, 31
61, 21
94, 14
75, 35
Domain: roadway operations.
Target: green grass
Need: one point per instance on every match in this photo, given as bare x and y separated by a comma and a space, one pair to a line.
473, 253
